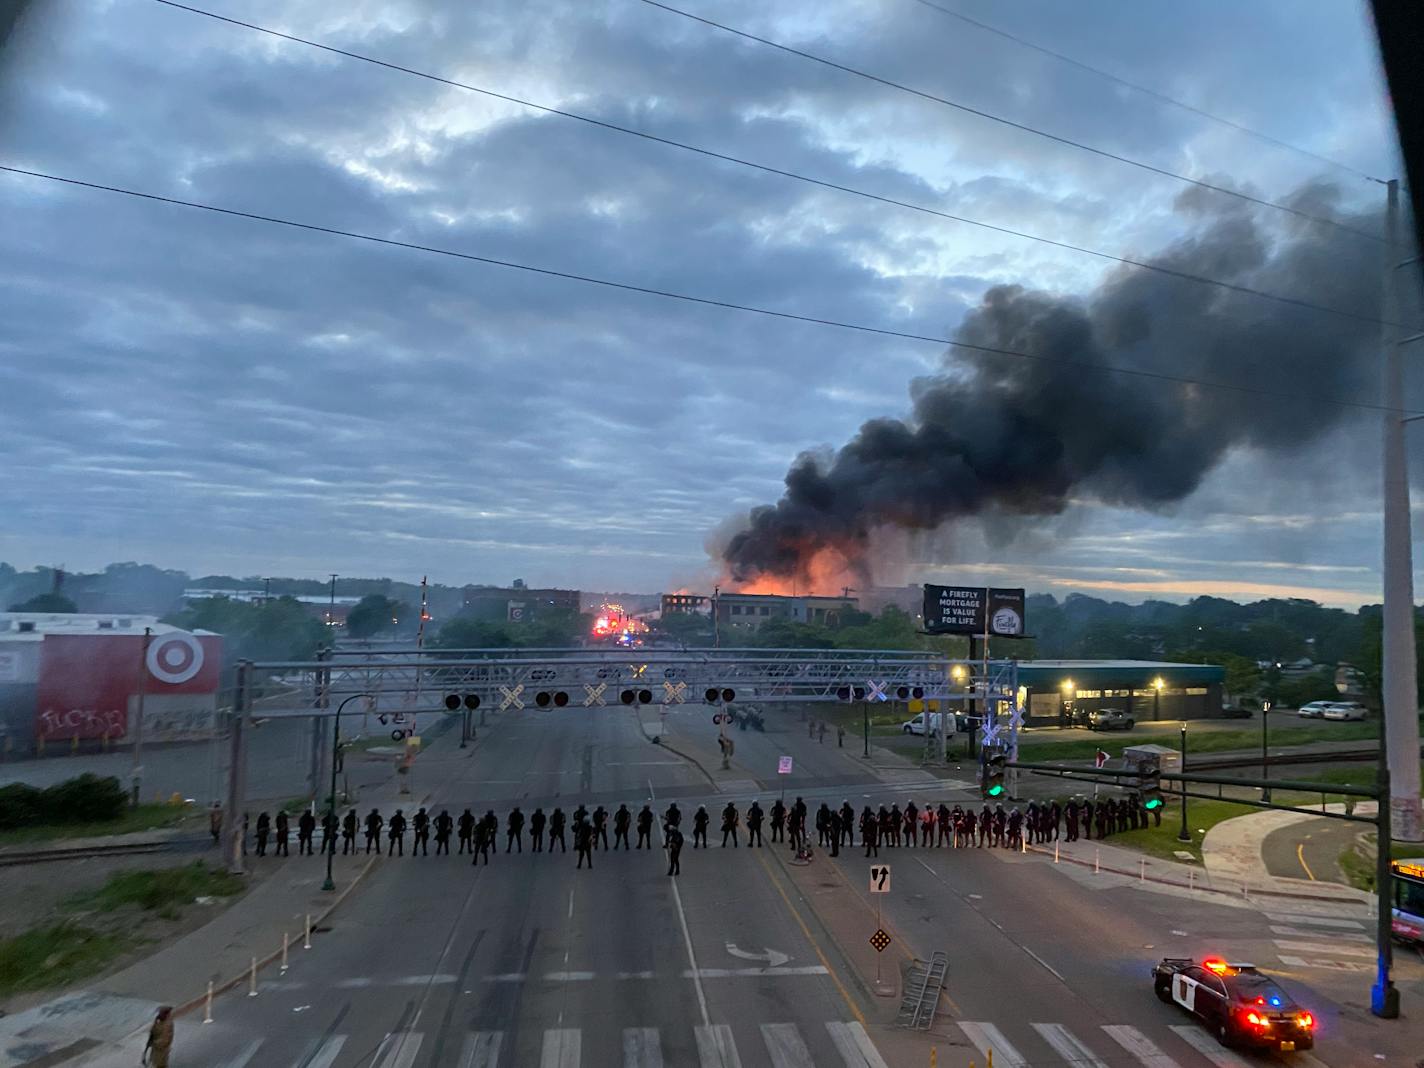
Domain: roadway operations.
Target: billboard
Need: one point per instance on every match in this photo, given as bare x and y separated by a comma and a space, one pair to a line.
89, 682
974, 610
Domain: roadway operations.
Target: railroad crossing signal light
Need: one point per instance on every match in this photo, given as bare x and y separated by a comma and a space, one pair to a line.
851, 693
627, 697
453, 701
711, 695
560, 698
992, 774
643, 697
728, 696
906, 693
472, 701
544, 698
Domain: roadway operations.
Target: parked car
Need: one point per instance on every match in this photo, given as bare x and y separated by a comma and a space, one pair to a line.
1235, 712
1106, 719
1314, 710
1344, 710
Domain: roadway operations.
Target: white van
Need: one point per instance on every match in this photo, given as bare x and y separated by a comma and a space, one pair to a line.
917, 725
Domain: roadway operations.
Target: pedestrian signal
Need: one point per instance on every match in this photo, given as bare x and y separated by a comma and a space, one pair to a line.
992, 774
453, 701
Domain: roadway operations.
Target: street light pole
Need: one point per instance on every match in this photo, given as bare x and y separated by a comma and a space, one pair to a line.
1184, 835
331, 801
1265, 757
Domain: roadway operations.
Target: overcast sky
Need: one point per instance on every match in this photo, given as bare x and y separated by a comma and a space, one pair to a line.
224, 395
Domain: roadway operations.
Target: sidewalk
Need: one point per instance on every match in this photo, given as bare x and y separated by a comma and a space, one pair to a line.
77, 1027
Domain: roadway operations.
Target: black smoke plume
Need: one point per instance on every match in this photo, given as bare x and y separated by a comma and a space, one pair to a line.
1022, 437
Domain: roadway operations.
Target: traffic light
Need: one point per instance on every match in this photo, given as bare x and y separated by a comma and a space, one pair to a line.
713, 695
992, 773
1149, 783
906, 693
851, 693
545, 698
728, 696
453, 701
643, 697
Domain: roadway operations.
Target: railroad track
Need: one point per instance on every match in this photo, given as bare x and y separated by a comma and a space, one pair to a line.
12, 857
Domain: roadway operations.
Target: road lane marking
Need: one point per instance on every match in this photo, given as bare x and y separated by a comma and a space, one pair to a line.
324, 1056
240, 1061
571, 904
642, 1048
815, 946
506, 977
784, 1046
1301, 932
635, 975
854, 1045
1300, 856
1335, 965
1325, 947
1208, 1047
986, 1037
398, 1050
1068, 1046
1045, 963
568, 977
715, 1046
738, 973
1139, 1045
682, 921
1321, 921
481, 1049
563, 1048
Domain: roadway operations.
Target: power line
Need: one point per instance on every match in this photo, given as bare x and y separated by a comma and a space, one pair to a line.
1145, 90
1001, 120
780, 172
709, 302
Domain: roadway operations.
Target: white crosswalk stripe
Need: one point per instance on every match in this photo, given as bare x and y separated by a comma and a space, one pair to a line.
985, 1037
642, 1048
1208, 1047
481, 1049
1305, 932
715, 1047
398, 1049
563, 1047
854, 1045
244, 1057
1318, 921
1139, 1045
1068, 1046
1332, 965
784, 1046
1338, 949
325, 1054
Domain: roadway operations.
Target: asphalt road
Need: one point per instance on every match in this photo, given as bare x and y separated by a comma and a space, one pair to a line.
529, 961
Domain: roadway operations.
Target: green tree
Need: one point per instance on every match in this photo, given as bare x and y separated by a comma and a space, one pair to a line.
280, 629
46, 602
373, 614
689, 628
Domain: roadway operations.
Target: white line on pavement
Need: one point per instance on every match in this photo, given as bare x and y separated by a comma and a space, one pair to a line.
1325, 947
1207, 1046
248, 1052
563, 1048
784, 1046
715, 1047
567, 977
398, 1050
506, 977
642, 1048
481, 1049
325, 1056
1343, 936
1333, 965
985, 1037
1045, 963
1068, 1046
854, 1045
686, 936
739, 973
1140, 1046
1321, 921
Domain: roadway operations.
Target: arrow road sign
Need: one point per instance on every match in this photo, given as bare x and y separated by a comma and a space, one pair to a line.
875, 691
510, 697
593, 694
673, 692
772, 957
880, 940
880, 878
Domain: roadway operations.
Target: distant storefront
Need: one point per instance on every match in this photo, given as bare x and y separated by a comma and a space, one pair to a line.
1145, 689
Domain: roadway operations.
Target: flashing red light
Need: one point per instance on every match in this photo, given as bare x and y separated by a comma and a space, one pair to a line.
1215, 964
1306, 1020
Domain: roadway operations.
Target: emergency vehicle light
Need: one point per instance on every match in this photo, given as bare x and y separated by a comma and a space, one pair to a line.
1306, 1020
1215, 964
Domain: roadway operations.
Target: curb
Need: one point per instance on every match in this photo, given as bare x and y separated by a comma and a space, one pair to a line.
228, 984
677, 752
1198, 887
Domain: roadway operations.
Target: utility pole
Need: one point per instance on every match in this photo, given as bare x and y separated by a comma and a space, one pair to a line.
137, 772
1399, 684
716, 621
331, 611
237, 769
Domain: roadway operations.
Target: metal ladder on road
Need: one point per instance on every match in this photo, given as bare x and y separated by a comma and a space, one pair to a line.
922, 987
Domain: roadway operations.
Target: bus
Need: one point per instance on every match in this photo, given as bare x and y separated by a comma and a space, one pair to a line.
1407, 908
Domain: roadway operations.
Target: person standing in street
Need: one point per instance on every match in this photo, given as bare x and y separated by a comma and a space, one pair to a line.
374, 823
621, 819
514, 835
968, 826
847, 824
484, 838
699, 827
673, 816
443, 826
421, 825
754, 822
840, 741
600, 828
349, 826
823, 825
778, 821
215, 822
583, 843
395, 831
160, 1038
284, 826
821, 732
730, 819
536, 831
986, 825
330, 825
264, 828
927, 827
870, 834
674, 848
491, 823
645, 827
556, 831
466, 827
834, 832
306, 829
912, 824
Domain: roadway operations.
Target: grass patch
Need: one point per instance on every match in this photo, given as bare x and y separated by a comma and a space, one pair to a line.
143, 818
55, 955
1358, 862
1162, 842
1214, 741
164, 890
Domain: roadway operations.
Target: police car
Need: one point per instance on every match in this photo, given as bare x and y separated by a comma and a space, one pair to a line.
1241, 1006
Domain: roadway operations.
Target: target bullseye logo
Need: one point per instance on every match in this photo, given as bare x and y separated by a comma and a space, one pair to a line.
175, 658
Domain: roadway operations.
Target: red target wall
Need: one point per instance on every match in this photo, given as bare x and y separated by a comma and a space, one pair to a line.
89, 684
